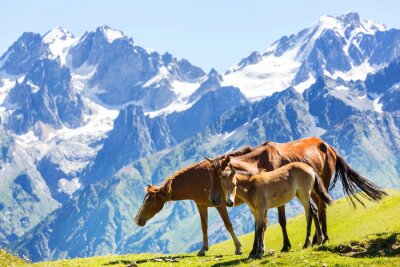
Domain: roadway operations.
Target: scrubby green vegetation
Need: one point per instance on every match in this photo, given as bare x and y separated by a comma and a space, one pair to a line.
358, 237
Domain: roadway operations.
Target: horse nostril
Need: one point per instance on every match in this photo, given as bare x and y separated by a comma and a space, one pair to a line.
140, 222
229, 203
216, 201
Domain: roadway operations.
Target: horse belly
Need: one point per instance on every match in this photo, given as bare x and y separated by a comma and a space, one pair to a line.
277, 198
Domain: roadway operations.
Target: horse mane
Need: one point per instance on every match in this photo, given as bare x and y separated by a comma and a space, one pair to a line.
267, 143
241, 151
166, 186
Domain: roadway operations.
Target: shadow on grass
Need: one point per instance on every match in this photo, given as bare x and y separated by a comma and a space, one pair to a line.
169, 259
231, 263
381, 245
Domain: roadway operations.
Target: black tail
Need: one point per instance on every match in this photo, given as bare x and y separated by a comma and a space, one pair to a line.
354, 183
320, 190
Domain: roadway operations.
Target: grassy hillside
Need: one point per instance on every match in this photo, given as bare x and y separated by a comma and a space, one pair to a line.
365, 236
6, 259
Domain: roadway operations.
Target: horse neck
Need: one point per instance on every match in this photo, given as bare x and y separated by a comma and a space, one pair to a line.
244, 185
185, 185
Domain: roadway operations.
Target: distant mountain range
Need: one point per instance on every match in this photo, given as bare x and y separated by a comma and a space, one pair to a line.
86, 123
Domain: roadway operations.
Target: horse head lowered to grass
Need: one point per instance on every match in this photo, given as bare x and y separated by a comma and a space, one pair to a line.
191, 183
153, 203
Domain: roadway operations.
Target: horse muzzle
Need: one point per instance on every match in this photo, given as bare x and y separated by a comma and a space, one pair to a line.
230, 203
215, 201
140, 222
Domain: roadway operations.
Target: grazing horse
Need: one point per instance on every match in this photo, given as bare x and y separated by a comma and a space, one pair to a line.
313, 151
264, 190
191, 183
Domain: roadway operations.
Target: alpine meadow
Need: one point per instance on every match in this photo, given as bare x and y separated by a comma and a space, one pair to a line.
113, 154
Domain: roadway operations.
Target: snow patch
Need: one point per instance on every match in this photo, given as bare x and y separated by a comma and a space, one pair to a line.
301, 87
272, 74
34, 87
5, 86
342, 87
377, 106
59, 41
68, 187
162, 74
111, 34
182, 90
356, 73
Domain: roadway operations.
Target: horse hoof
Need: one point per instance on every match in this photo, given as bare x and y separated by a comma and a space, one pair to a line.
201, 253
255, 256
314, 241
285, 249
238, 252
320, 241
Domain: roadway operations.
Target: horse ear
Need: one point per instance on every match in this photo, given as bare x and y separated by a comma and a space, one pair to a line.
148, 187
209, 160
228, 159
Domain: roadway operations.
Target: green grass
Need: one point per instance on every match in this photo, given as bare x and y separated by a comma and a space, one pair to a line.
6, 259
358, 237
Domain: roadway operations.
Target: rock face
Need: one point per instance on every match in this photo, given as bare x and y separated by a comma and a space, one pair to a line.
45, 95
127, 73
86, 123
205, 111
129, 140
22, 55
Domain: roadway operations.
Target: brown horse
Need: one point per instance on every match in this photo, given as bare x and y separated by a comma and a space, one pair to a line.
264, 190
313, 151
191, 183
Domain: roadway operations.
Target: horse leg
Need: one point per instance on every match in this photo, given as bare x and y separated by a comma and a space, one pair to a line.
261, 226
264, 227
258, 235
320, 236
322, 219
282, 221
204, 218
255, 242
305, 200
316, 200
228, 225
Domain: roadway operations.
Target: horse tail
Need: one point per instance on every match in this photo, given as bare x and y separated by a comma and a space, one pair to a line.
320, 190
354, 183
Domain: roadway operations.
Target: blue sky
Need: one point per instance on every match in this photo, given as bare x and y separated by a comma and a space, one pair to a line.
209, 33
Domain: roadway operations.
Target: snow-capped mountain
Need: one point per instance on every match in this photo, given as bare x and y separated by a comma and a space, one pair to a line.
346, 47
86, 122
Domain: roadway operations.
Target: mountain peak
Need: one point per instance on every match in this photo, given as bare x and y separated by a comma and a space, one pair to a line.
349, 17
59, 40
349, 20
109, 33
58, 33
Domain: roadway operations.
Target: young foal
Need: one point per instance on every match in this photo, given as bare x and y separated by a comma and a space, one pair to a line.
265, 190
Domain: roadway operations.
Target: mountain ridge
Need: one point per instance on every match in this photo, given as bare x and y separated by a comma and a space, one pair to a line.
103, 111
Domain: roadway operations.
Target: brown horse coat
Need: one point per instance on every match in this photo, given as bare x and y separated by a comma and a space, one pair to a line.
264, 190
313, 151
191, 183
